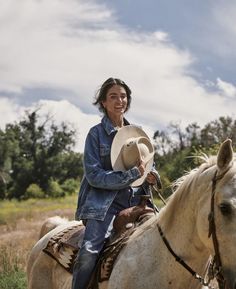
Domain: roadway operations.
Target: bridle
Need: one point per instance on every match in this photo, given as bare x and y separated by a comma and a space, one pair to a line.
215, 267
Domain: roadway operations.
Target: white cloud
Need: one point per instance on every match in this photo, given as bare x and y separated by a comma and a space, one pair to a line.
9, 111
228, 89
74, 45
64, 111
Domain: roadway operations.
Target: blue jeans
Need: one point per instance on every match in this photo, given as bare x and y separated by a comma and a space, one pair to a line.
96, 233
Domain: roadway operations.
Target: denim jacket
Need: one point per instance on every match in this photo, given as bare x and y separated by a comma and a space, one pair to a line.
100, 183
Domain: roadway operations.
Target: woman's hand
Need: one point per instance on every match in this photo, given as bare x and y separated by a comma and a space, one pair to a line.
151, 178
141, 167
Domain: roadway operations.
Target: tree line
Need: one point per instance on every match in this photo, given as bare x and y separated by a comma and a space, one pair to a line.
37, 158
178, 149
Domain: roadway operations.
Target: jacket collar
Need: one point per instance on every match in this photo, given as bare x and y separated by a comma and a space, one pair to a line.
107, 124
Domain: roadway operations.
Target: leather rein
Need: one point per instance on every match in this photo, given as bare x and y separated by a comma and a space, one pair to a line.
215, 267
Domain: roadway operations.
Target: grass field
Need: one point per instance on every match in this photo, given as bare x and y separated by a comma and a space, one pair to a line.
10, 211
20, 223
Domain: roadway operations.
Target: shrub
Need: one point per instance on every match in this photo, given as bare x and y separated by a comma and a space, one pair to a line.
34, 191
54, 190
2, 190
70, 186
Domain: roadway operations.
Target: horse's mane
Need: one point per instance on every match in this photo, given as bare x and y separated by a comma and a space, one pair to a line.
206, 163
192, 181
181, 189
183, 186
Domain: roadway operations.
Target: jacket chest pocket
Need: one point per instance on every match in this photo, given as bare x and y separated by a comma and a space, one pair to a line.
105, 151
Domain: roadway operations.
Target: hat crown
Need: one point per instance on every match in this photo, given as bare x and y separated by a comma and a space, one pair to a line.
136, 149
131, 145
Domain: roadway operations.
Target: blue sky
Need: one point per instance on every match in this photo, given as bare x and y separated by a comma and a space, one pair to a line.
193, 25
178, 57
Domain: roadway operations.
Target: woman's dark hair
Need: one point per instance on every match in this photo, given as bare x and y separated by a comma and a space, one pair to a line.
102, 92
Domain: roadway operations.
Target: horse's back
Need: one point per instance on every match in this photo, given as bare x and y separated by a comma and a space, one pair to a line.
40, 265
50, 224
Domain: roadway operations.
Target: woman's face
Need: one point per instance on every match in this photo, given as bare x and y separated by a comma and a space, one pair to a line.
116, 101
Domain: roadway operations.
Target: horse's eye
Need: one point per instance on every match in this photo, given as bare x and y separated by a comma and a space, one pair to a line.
226, 209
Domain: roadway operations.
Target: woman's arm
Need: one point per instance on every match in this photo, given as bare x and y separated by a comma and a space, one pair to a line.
97, 176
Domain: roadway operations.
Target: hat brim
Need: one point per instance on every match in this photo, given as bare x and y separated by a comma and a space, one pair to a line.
121, 136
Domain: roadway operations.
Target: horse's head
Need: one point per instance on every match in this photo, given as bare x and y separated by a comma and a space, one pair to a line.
218, 231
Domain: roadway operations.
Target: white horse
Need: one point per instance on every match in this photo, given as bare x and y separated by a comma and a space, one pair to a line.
146, 262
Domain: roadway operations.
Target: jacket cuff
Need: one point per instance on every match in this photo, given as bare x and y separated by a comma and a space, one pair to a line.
134, 173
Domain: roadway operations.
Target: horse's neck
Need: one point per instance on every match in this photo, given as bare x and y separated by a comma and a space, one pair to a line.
179, 225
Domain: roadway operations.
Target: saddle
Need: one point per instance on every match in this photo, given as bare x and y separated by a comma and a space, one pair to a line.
127, 218
64, 246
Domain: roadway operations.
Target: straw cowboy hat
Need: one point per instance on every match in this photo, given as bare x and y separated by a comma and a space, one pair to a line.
129, 146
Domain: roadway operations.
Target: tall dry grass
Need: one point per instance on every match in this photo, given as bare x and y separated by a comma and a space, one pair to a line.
20, 224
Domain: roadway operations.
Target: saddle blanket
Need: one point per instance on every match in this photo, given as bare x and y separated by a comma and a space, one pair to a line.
63, 246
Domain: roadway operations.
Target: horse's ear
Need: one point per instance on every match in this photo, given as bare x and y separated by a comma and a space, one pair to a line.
225, 155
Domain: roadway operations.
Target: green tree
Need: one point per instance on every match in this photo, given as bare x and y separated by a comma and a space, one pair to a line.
177, 150
38, 153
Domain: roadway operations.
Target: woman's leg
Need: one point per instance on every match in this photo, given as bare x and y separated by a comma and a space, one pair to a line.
95, 234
